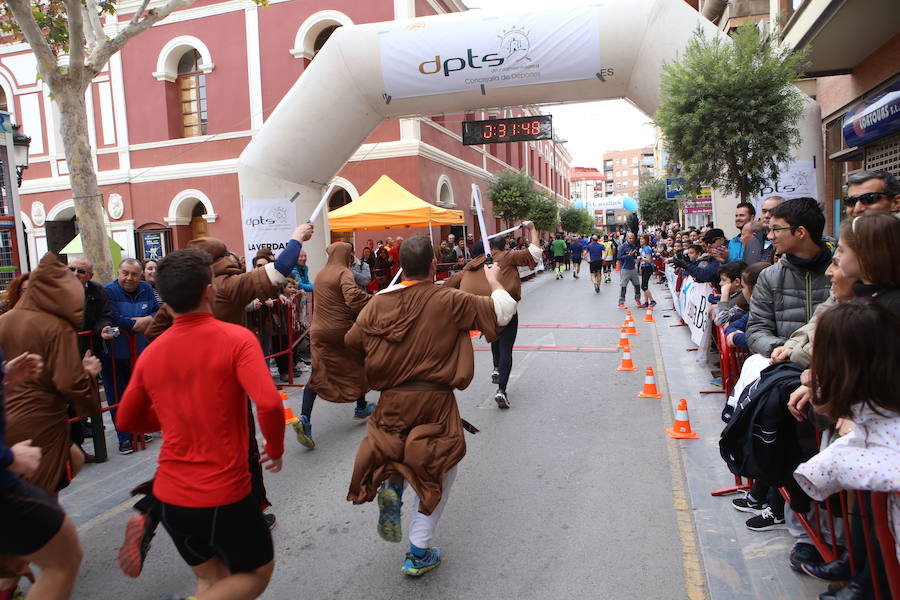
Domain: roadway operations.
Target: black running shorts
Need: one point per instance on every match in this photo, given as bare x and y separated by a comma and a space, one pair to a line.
559, 259
235, 533
29, 519
596, 266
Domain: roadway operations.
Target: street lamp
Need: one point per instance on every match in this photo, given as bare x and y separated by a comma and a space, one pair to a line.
21, 142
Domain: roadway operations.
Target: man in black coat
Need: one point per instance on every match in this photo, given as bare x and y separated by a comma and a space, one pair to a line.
98, 319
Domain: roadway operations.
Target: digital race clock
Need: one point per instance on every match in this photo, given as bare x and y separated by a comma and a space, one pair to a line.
518, 129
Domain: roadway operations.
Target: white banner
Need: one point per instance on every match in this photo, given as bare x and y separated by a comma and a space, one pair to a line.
498, 51
267, 223
796, 180
692, 304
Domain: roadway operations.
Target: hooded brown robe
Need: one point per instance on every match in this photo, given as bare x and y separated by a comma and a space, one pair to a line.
235, 288
417, 346
471, 279
338, 374
45, 322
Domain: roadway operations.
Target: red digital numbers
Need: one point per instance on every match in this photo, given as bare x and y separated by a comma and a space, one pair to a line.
502, 130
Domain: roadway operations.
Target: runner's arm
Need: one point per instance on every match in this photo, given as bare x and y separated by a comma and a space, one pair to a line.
254, 377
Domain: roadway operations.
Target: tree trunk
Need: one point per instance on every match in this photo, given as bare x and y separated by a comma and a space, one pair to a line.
83, 179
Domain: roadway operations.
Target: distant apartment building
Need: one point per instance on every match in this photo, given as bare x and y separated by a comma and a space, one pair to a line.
624, 169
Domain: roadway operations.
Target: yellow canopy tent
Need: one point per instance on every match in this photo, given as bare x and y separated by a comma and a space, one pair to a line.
388, 205
76, 247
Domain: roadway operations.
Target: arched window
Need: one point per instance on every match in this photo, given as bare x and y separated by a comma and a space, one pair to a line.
323, 37
192, 91
3, 102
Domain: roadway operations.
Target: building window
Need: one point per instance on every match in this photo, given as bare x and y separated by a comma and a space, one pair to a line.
323, 37
192, 92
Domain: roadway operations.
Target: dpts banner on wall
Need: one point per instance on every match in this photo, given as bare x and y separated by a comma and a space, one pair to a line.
267, 223
497, 51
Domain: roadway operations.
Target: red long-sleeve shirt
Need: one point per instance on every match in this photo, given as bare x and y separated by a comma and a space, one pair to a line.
192, 384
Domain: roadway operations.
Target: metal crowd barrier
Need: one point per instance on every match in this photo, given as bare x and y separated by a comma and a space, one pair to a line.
877, 535
294, 316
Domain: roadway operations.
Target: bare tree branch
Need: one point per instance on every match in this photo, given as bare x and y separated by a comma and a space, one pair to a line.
76, 38
139, 12
106, 49
46, 57
93, 25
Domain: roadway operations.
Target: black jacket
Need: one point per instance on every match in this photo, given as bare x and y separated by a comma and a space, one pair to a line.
763, 440
97, 315
887, 297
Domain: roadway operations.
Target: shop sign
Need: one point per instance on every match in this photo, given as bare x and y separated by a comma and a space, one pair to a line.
874, 117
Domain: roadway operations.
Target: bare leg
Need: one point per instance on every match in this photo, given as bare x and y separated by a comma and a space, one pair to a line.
209, 573
59, 561
238, 586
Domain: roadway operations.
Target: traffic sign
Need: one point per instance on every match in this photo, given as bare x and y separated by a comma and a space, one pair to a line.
674, 188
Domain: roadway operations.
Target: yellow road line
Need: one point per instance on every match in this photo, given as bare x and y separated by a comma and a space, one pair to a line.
106, 516
694, 576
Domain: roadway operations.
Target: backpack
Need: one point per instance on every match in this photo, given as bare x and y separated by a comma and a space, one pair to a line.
760, 440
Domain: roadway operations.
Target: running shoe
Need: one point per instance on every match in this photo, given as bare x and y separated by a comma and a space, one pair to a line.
303, 429
363, 413
765, 521
495, 376
415, 566
270, 520
596, 288
653, 303
749, 504
139, 531
390, 500
126, 447
501, 399
622, 305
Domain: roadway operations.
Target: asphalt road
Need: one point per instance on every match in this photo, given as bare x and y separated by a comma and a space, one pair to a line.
569, 494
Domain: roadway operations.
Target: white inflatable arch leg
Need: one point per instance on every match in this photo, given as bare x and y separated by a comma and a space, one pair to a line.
341, 97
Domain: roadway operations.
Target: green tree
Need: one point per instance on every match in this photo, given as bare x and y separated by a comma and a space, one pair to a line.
73, 28
729, 109
576, 220
544, 212
654, 207
512, 193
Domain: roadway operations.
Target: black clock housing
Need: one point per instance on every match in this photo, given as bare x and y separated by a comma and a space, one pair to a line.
516, 129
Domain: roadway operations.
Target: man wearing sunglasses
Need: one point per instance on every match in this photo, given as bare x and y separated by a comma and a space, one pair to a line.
872, 190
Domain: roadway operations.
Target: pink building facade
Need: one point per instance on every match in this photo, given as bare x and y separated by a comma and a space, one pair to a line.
171, 114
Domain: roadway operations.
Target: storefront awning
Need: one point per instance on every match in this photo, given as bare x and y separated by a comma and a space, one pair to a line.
874, 117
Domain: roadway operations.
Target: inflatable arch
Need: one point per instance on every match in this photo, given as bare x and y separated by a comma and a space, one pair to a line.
466, 61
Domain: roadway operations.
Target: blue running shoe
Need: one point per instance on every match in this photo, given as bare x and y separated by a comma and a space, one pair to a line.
390, 500
415, 566
363, 413
303, 428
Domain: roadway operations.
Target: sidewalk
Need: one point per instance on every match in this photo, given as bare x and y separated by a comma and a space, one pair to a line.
739, 564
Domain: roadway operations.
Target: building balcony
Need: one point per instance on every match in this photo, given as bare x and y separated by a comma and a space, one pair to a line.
840, 33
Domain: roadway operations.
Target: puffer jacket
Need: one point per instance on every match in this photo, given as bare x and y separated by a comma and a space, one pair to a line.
785, 298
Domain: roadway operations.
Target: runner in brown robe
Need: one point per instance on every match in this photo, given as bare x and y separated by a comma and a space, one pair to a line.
45, 322
337, 371
415, 336
471, 279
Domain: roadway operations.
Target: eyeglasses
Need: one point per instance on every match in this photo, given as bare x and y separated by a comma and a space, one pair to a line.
867, 199
79, 271
791, 227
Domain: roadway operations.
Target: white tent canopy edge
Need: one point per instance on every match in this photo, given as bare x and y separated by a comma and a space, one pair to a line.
341, 97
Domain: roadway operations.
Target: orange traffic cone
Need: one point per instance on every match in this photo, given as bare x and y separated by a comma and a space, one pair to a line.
626, 365
628, 316
624, 344
650, 390
681, 430
648, 318
630, 328
289, 417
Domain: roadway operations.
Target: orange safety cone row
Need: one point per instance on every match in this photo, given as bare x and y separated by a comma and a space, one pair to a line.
624, 344
681, 430
626, 364
649, 390
648, 318
289, 416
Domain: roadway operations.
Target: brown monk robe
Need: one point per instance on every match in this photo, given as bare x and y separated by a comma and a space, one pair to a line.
338, 374
235, 288
45, 322
417, 346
